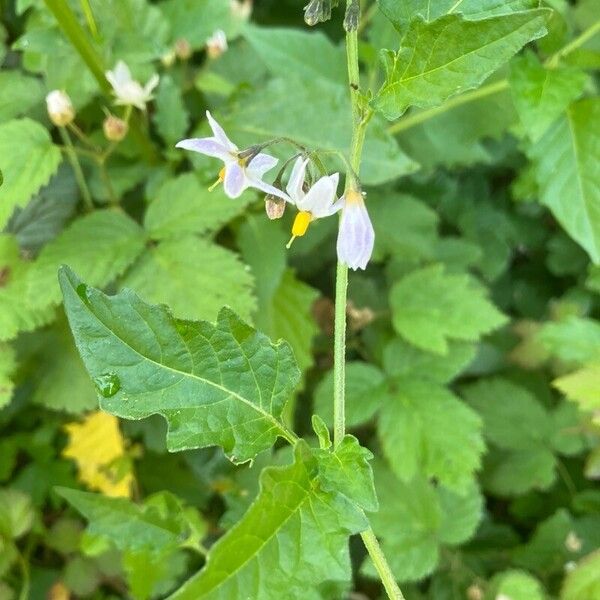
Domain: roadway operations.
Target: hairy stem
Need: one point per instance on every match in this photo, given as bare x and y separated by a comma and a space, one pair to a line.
360, 121
72, 156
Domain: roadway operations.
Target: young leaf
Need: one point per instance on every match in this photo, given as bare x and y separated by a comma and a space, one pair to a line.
516, 585
292, 540
29, 159
101, 245
430, 307
144, 362
194, 277
541, 94
184, 205
583, 581
450, 55
424, 429
582, 387
567, 171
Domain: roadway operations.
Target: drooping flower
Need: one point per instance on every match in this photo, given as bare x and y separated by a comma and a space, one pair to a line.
60, 108
355, 236
242, 170
216, 44
127, 90
317, 202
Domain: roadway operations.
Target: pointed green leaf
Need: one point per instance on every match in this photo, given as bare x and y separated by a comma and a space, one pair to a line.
567, 160
292, 540
220, 385
430, 307
425, 430
28, 159
450, 55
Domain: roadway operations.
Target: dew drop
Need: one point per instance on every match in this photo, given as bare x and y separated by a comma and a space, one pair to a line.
108, 384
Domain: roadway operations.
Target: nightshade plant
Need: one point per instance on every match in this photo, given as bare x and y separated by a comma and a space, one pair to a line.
438, 435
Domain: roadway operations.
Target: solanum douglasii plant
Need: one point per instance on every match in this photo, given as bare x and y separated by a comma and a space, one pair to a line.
299, 301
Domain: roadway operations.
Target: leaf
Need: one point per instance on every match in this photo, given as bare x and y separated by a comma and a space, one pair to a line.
516, 585
574, 341
425, 430
440, 59
582, 387
28, 160
542, 94
416, 519
272, 111
16, 514
19, 93
306, 54
429, 307
584, 580
194, 277
400, 13
365, 393
101, 245
184, 205
16, 314
97, 446
159, 524
171, 116
292, 540
566, 160
146, 362
7, 366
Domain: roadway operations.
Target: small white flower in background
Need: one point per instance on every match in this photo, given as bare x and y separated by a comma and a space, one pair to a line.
356, 236
316, 203
60, 108
241, 9
216, 44
128, 91
241, 171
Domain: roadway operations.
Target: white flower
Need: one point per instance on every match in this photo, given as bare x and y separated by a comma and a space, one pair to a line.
241, 10
216, 44
60, 108
316, 203
240, 172
128, 91
356, 236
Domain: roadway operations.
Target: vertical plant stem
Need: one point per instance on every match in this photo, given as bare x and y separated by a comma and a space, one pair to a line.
360, 121
89, 17
72, 155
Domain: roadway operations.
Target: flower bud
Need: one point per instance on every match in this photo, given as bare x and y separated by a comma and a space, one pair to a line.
183, 49
60, 108
241, 10
216, 44
168, 58
274, 207
115, 129
59, 591
317, 11
352, 17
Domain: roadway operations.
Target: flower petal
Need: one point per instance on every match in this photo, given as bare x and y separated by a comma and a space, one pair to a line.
219, 133
149, 87
356, 236
235, 180
294, 186
207, 146
319, 199
259, 184
260, 164
120, 75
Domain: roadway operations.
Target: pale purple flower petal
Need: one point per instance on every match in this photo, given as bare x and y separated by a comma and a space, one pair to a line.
259, 184
296, 181
235, 180
356, 236
260, 164
219, 133
207, 146
319, 199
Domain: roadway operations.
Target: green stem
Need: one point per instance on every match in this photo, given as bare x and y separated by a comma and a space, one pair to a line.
89, 17
378, 558
72, 155
581, 39
24, 593
360, 121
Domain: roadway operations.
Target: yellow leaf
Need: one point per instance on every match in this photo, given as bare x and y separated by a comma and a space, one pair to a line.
96, 445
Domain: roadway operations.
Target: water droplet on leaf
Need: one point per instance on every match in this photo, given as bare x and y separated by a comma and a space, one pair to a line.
108, 384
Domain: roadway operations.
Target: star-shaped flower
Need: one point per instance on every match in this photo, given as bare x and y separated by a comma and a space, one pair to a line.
242, 170
128, 91
313, 204
356, 236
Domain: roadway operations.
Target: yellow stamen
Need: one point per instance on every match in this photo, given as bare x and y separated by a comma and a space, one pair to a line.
301, 223
220, 179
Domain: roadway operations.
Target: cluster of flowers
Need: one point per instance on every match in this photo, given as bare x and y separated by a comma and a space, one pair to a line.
246, 168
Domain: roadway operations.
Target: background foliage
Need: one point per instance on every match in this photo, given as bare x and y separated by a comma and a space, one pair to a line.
474, 342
